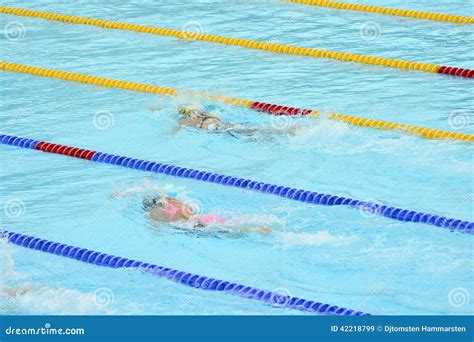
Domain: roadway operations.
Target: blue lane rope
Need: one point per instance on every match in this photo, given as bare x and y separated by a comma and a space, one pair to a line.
311, 197
189, 279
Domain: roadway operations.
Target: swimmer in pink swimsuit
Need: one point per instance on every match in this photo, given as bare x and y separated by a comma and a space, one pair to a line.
169, 209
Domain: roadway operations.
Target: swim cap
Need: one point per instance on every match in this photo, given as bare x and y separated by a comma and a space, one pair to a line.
183, 110
188, 110
149, 203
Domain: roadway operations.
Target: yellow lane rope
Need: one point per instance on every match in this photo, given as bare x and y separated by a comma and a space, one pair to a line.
423, 132
458, 19
153, 89
278, 48
146, 88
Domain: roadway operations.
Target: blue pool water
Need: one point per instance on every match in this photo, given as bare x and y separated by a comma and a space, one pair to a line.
336, 255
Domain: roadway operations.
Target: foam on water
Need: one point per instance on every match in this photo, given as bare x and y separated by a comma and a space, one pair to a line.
19, 295
44, 300
319, 238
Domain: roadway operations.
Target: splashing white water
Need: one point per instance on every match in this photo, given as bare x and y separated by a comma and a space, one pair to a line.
317, 239
32, 299
7, 264
17, 296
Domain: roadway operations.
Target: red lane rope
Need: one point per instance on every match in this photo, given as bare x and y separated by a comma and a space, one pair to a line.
65, 150
453, 71
280, 110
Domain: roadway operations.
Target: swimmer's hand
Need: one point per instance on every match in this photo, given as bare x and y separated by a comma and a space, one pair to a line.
259, 229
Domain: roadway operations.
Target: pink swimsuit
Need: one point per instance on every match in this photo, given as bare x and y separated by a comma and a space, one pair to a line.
171, 210
207, 219
204, 220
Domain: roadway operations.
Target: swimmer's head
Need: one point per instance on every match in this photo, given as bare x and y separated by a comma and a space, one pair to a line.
149, 203
184, 111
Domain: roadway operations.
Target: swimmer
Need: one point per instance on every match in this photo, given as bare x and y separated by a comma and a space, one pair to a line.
205, 121
168, 209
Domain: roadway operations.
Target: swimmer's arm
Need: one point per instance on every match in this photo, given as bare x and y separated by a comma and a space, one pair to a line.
182, 122
172, 200
259, 229
186, 122
292, 129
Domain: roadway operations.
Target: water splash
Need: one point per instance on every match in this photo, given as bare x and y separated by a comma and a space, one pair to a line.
33, 299
320, 238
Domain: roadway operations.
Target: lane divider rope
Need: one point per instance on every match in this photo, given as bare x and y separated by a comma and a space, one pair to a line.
251, 44
188, 279
305, 196
423, 132
152, 89
273, 109
452, 18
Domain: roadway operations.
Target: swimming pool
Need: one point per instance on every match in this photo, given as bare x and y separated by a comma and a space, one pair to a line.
327, 253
